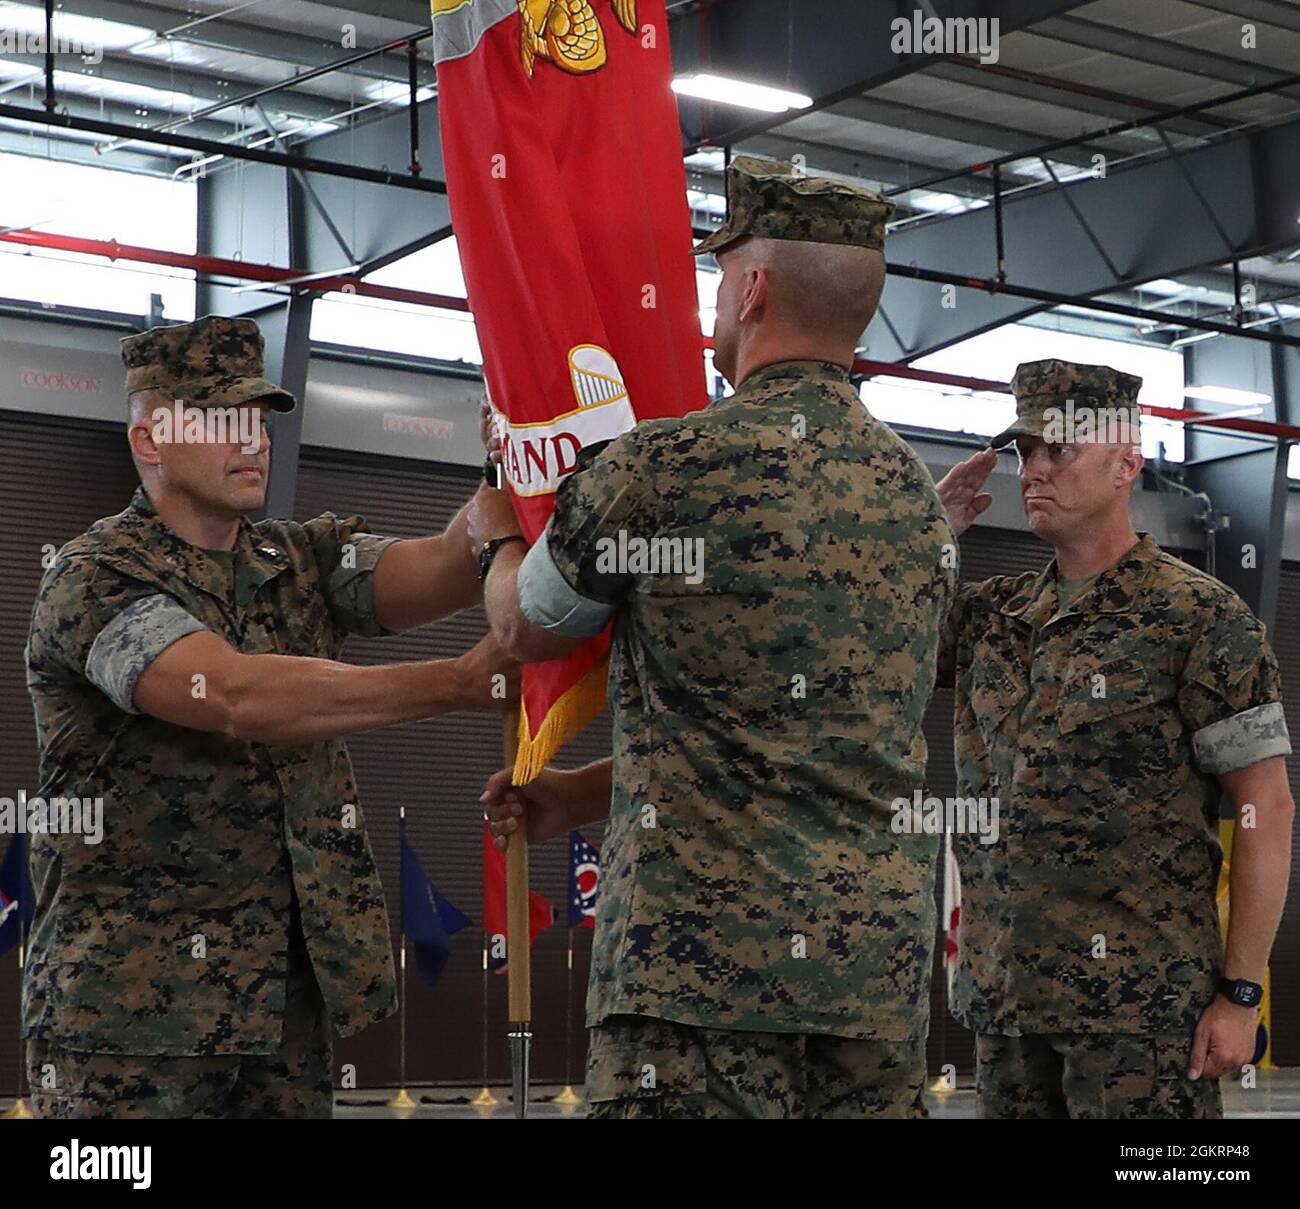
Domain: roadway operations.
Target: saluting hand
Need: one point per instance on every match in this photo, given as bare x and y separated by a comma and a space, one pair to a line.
960, 492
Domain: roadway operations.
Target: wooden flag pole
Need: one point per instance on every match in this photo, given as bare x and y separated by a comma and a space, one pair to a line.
518, 950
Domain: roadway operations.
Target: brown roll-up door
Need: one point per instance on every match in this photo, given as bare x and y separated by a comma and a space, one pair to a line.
56, 479
1285, 965
437, 769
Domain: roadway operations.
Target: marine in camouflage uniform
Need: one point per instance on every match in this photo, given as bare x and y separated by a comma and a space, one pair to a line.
194, 962
1099, 721
764, 938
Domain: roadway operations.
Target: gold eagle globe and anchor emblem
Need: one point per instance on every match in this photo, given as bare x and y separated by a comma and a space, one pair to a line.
567, 33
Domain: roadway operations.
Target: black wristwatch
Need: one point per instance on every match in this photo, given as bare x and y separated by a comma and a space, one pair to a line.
489, 552
1241, 992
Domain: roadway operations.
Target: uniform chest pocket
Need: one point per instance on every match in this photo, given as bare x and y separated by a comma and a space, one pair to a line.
1094, 695
998, 686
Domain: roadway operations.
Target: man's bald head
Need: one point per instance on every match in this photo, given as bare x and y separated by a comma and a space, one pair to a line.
814, 298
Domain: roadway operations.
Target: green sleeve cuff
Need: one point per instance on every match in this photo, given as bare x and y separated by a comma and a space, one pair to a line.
548, 601
125, 647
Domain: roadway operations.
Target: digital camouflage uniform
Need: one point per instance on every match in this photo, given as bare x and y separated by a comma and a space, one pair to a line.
763, 938
1100, 728
205, 836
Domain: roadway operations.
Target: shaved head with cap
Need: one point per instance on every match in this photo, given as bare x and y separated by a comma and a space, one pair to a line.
801, 299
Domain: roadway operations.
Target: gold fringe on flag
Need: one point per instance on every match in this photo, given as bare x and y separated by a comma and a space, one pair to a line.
565, 720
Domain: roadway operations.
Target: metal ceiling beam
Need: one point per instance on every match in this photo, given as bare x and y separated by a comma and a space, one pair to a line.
123, 113
210, 147
29, 141
842, 48
1252, 181
145, 73
1112, 40
1265, 12
1081, 99
249, 39
408, 12
1055, 147
954, 127
377, 221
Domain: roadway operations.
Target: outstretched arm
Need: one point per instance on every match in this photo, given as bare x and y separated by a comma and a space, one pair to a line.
424, 579
202, 682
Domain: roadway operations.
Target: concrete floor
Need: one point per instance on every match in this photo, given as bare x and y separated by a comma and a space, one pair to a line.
1277, 1095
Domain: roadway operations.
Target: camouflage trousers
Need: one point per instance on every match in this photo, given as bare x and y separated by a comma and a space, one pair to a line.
1100, 1076
295, 1081
640, 1067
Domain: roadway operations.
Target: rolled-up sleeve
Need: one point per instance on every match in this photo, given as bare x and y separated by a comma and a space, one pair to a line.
94, 622
131, 641
1230, 693
597, 510
1242, 740
347, 556
549, 601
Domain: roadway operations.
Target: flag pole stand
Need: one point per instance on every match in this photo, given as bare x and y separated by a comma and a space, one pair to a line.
20, 1110
518, 950
568, 1098
402, 1100
485, 1099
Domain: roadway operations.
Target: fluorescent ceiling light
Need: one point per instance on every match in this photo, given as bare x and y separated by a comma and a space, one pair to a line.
1227, 395
1163, 285
706, 203
725, 91
393, 92
938, 202
713, 158
91, 32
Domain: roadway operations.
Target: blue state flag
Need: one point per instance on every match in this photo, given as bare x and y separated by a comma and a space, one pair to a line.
428, 919
15, 895
584, 881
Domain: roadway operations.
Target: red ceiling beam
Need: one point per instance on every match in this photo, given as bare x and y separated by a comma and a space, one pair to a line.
218, 266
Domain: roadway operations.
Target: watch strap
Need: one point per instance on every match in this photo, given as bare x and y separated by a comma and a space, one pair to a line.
489, 552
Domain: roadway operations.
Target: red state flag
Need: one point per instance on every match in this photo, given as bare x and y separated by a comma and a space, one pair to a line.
541, 914
562, 155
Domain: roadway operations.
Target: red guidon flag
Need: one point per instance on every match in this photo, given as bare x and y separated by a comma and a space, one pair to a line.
563, 162
496, 916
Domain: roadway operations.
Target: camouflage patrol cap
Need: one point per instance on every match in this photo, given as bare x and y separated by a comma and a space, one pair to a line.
772, 201
1039, 385
213, 362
